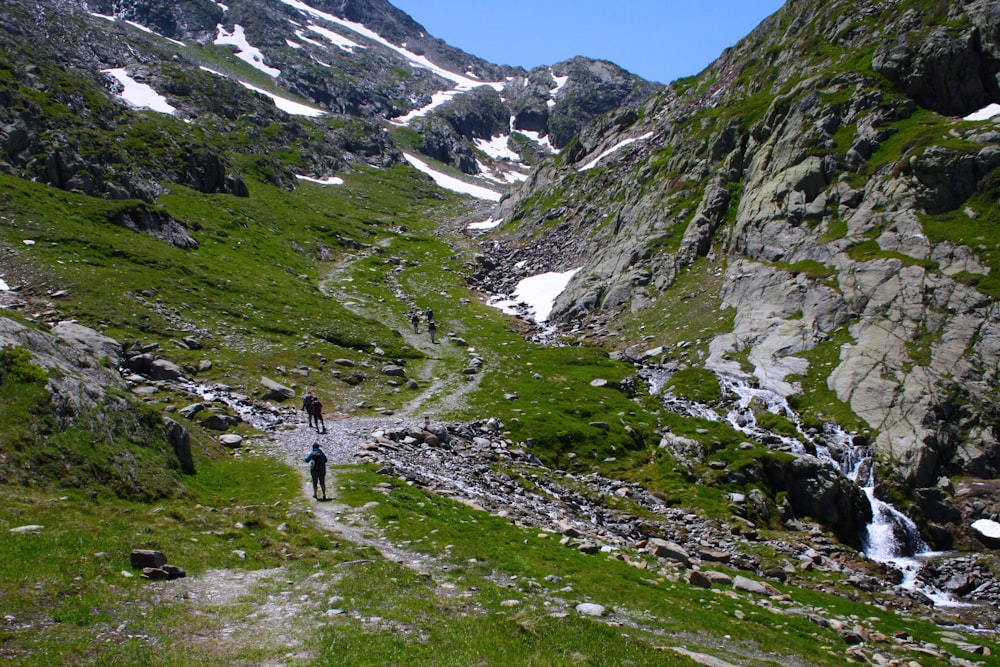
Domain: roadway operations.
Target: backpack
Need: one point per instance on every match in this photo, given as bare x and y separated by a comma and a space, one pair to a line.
317, 459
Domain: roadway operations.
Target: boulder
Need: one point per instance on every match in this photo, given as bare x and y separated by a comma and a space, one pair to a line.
741, 583
275, 391
665, 549
180, 440
161, 369
142, 558
818, 490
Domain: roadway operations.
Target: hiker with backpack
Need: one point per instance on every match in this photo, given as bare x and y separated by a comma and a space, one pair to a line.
307, 402
317, 470
317, 414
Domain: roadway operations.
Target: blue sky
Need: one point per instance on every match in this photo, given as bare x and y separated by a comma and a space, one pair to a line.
660, 40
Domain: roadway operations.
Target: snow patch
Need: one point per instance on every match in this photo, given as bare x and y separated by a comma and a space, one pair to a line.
985, 113
485, 225
450, 182
247, 53
333, 180
140, 95
616, 147
539, 293
336, 39
987, 527
496, 147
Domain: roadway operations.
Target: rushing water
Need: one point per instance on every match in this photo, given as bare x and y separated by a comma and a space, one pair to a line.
891, 537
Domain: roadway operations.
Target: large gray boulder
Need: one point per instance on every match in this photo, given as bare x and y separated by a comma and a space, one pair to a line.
817, 489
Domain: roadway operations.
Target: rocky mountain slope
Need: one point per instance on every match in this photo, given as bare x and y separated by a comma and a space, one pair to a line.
823, 168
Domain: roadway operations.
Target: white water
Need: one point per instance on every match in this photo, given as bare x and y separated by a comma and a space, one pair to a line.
891, 537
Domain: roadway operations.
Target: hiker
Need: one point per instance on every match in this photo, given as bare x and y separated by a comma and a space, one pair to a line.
432, 328
429, 314
317, 469
317, 415
307, 402
415, 321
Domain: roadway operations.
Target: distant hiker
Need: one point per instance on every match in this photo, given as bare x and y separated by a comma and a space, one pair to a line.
317, 415
432, 328
415, 321
307, 402
317, 469
429, 314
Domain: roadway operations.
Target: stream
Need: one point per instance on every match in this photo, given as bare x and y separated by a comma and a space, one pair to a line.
891, 537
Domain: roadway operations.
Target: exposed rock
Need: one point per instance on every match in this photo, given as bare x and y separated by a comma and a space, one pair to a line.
741, 583
142, 558
591, 609
180, 440
275, 391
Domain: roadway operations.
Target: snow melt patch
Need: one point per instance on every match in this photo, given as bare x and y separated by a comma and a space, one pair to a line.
497, 148
336, 39
987, 527
4, 287
288, 106
616, 147
247, 53
484, 225
333, 180
985, 113
539, 293
450, 182
140, 95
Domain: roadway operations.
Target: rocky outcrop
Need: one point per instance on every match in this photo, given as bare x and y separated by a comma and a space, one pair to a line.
82, 363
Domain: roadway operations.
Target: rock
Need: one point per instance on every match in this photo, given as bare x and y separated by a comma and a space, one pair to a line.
665, 549
392, 370
742, 583
191, 410
591, 609
142, 558
231, 440
816, 489
938, 506
275, 391
31, 528
161, 369
717, 578
701, 658
220, 422
155, 573
696, 578
180, 439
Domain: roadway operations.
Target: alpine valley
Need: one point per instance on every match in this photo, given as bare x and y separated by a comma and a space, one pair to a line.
613, 371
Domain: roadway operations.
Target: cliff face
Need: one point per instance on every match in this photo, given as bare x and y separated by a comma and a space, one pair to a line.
823, 168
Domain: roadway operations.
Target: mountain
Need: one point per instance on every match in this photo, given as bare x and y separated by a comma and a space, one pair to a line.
824, 177
764, 394
250, 63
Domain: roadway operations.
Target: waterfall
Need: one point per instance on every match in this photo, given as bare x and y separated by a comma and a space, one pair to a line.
891, 537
